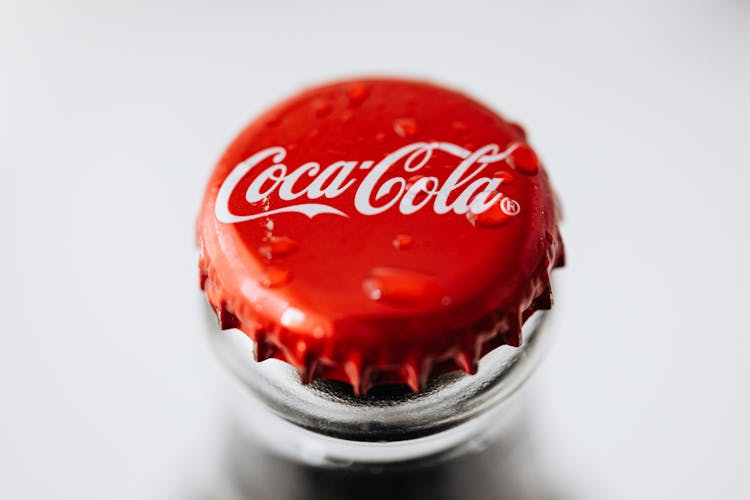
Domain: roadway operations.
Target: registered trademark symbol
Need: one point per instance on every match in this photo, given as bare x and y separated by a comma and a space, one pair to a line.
510, 206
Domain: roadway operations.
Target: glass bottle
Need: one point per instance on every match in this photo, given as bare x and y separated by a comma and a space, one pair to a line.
464, 436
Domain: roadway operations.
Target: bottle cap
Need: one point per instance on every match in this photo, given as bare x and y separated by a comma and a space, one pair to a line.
379, 231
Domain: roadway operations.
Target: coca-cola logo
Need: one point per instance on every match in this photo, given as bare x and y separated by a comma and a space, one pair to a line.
468, 188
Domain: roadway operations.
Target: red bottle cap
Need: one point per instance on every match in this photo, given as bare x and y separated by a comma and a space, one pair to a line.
379, 231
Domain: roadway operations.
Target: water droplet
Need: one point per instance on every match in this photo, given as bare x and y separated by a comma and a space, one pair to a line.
492, 217
411, 180
274, 122
301, 347
292, 317
507, 177
419, 196
278, 246
380, 137
274, 276
460, 126
346, 116
402, 241
549, 237
469, 146
322, 108
524, 159
357, 93
401, 286
313, 132
405, 127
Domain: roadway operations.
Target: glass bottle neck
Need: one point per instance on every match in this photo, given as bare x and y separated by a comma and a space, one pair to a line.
324, 424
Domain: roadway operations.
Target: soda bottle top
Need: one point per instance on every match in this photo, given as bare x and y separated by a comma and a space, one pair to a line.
379, 231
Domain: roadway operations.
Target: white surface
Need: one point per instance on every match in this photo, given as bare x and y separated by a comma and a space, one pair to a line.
111, 117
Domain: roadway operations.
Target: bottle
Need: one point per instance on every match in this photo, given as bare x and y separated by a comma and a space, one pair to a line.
383, 249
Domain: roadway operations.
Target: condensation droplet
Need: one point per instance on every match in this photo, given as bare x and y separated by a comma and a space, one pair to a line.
402, 241
356, 94
411, 180
292, 317
420, 195
274, 276
380, 137
278, 246
322, 108
507, 177
405, 127
549, 237
301, 346
497, 215
460, 126
524, 159
274, 122
401, 287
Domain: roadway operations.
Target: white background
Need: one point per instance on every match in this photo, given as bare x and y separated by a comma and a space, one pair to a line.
112, 115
